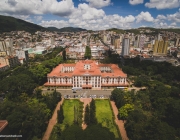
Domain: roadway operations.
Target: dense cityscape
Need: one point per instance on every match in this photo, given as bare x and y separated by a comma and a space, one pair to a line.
18, 46
94, 72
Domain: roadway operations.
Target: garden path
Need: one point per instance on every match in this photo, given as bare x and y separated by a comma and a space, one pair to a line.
52, 122
120, 123
86, 101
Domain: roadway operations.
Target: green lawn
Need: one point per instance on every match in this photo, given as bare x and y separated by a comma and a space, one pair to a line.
104, 115
68, 108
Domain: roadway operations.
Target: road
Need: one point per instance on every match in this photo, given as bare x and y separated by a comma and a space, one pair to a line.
82, 93
86, 93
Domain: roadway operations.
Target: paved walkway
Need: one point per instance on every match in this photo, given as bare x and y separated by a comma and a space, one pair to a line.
119, 122
86, 101
52, 122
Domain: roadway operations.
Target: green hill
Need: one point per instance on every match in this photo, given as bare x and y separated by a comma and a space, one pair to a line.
8, 24
66, 29
71, 29
118, 31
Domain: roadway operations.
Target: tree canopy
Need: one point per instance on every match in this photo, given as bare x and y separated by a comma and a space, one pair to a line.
87, 54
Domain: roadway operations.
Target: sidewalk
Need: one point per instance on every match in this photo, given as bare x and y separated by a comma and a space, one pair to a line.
52, 122
119, 122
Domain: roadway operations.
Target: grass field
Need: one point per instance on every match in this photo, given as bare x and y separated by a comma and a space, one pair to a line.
104, 115
68, 110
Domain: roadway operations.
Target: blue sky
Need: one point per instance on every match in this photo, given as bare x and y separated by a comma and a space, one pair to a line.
95, 14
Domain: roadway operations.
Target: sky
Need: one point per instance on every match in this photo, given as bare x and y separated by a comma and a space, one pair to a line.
95, 14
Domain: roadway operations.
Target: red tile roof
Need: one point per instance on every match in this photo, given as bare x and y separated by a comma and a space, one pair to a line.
93, 71
3, 124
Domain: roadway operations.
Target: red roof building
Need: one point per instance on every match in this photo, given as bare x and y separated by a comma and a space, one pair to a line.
87, 74
3, 124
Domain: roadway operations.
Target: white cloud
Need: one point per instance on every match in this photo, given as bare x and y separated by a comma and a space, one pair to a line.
86, 12
85, 15
96, 19
144, 16
163, 24
91, 18
163, 4
55, 23
161, 17
23, 17
38, 18
27, 7
135, 2
173, 24
99, 3
161, 21
174, 17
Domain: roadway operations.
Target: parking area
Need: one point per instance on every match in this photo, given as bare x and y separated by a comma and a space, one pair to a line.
84, 93
85, 96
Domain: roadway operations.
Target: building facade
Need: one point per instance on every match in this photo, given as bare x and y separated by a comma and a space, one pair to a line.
21, 54
3, 67
142, 40
125, 46
87, 74
11, 61
6, 46
160, 47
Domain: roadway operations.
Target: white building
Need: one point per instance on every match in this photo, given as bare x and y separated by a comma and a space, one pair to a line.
7, 46
87, 74
22, 54
142, 40
125, 46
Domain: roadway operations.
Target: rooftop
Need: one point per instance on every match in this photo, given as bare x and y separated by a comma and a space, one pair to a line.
3, 124
87, 67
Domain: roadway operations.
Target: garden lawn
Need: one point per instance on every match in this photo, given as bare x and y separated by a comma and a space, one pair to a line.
104, 115
68, 109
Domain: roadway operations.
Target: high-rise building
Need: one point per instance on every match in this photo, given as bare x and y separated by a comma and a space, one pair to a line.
121, 38
159, 37
125, 46
177, 42
117, 43
22, 55
6, 46
155, 47
160, 47
11, 61
52, 40
105, 38
112, 40
142, 40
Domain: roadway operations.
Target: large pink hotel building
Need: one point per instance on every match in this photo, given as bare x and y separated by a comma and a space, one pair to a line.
87, 74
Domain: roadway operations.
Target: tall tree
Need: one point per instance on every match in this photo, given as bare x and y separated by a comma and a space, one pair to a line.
86, 116
64, 55
124, 111
92, 114
118, 96
87, 54
60, 115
